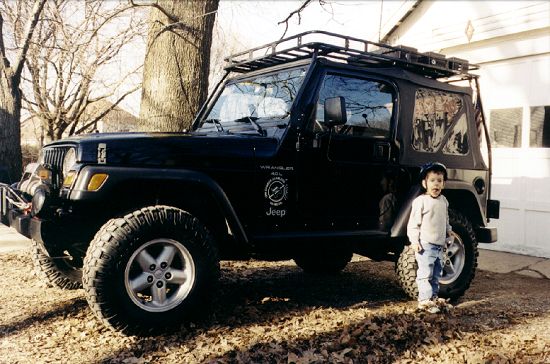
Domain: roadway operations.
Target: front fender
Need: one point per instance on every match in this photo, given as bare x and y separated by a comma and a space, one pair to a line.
120, 175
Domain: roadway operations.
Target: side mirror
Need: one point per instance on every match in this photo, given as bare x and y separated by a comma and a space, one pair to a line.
335, 111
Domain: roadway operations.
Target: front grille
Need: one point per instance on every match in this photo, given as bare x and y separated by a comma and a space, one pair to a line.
53, 156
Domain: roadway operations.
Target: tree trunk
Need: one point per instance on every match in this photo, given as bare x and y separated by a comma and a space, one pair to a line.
177, 62
10, 131
10, 95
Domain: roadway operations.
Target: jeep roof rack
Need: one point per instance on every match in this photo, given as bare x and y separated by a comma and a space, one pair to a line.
354, 51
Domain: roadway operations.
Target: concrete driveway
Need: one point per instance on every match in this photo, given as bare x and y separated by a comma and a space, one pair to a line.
11, 240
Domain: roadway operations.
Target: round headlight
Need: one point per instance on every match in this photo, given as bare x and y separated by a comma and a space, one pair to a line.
38, 201
69, 161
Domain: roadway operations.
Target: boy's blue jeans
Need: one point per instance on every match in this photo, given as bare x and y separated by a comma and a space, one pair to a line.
429, 271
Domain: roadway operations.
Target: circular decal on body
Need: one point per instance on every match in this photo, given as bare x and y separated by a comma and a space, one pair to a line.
276, 190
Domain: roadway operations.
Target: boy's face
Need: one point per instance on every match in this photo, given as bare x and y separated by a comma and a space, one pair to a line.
433, 183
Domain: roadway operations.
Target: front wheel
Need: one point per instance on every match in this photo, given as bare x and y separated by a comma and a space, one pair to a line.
150, 270
459, 262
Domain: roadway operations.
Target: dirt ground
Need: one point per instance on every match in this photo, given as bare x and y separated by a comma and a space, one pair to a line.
270, 312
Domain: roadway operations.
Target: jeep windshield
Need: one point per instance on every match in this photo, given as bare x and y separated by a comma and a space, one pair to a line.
255, 104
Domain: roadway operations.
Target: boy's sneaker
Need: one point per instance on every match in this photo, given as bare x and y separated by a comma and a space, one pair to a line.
428, 306
442, 303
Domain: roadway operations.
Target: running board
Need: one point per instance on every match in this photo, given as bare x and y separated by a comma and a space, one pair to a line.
324, 235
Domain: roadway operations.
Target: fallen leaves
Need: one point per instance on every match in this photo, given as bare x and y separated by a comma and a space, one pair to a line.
270, 312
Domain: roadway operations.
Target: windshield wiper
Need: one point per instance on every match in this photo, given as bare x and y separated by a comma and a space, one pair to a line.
216, 122
252, 121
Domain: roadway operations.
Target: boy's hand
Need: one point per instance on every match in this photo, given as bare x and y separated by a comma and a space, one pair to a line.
450, 240
416, 247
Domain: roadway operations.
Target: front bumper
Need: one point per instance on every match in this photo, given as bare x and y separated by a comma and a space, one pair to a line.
20, 222
23, 223
11, 215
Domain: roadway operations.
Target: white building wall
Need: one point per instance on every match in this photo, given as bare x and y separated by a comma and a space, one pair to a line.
510, 40
521, 176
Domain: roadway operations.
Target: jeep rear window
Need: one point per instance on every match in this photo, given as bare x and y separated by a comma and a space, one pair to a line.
265, 100
439, 115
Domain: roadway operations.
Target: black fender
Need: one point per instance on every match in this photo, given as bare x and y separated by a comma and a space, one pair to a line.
121, 175
461, 197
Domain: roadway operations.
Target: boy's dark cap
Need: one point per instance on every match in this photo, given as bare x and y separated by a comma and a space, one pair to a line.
433, 167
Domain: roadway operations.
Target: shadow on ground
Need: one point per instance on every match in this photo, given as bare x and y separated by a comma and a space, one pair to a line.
273, 312
59, 311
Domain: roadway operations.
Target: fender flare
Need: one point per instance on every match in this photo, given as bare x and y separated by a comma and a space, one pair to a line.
118, 175
399, 227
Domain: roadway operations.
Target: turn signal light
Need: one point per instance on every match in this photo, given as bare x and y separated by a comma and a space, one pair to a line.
68, 181
97, 181
44, 174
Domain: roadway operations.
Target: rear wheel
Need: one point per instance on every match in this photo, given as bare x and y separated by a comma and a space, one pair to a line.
459, 262
406, 268
459, 259
150, 270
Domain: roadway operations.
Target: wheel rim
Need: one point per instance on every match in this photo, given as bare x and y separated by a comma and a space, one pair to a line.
159, 275
454, 257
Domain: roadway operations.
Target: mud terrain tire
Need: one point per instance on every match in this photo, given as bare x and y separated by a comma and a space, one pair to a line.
463, 255
150, 270
55, 268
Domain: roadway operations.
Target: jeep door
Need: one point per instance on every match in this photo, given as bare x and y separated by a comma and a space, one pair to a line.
343, 167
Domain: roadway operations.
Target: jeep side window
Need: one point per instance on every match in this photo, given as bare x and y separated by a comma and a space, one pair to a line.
369, 105
435, 112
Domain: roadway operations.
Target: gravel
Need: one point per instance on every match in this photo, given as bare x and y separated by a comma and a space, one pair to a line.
271, 312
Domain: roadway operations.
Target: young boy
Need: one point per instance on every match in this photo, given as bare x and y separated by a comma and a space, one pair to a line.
428, 231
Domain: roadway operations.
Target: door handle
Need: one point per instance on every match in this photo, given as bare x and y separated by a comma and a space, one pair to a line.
381, 151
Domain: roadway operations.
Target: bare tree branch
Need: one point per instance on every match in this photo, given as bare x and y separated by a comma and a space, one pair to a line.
106, 21
108, 110
295, 12
20, 60
170, 16
176, 23
67, 56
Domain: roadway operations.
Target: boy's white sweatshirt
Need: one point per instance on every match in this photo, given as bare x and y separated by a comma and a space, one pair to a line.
429, 220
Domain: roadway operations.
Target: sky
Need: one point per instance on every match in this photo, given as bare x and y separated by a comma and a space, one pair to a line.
257, 21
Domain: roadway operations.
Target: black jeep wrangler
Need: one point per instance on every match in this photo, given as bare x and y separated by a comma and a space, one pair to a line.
309, 151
